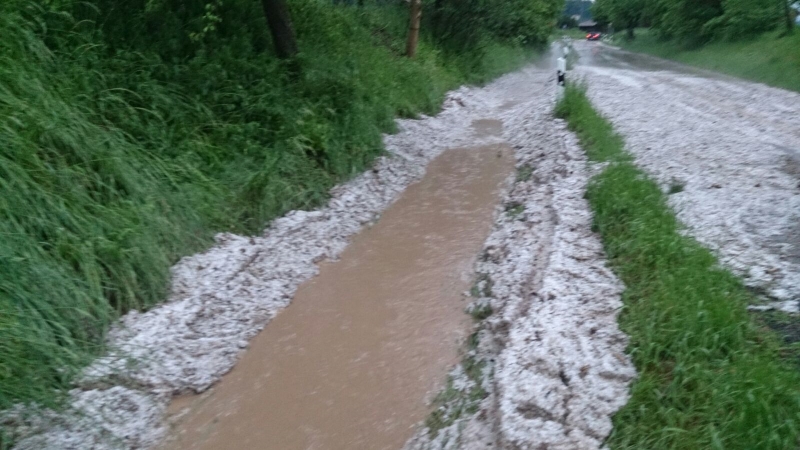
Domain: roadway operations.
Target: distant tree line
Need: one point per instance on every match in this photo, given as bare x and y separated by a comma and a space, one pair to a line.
696, 21
575, 11
180, 23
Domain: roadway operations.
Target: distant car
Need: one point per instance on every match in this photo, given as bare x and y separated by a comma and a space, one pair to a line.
593, 36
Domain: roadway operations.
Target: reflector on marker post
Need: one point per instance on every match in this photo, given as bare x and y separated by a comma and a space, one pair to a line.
561, 76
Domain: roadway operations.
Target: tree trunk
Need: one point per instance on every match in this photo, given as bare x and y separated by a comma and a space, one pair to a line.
280, 26
413, 28
787, 12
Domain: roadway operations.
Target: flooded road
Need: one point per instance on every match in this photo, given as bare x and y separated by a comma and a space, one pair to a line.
353, 361
601, 55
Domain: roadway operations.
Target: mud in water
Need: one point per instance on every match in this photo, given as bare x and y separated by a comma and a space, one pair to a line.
487, 127
351, 363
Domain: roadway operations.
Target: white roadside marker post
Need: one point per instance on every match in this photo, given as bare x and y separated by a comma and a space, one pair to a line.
561, 77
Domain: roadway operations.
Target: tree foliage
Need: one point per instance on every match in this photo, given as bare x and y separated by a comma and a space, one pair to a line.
623, 14
567, 22
694, 21
466, 22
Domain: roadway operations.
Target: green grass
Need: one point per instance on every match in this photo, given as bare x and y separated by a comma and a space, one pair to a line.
514, 209
771, 58
452, 403
573, 33
709, 377
524, 173
124, 148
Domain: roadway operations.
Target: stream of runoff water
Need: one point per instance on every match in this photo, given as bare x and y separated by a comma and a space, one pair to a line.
355, 359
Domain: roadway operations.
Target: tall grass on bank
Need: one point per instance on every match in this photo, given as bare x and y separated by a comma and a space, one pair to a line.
125, 148
772, 58
708, 377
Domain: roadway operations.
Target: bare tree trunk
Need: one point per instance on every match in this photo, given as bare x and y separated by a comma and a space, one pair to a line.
413, 28
787, 12
280, 26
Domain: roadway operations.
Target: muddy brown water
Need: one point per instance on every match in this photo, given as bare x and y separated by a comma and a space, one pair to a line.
353, 362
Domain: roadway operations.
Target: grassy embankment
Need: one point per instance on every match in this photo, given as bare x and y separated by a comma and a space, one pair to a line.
709, 376
573, 33
126, 147
771, 58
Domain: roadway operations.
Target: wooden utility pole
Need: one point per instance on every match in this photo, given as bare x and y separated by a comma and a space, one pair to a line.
413, 27
280, 26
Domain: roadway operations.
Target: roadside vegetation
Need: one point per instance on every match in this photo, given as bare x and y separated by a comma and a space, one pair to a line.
709, 376
752, 39
573, 33
692, 23
132, 131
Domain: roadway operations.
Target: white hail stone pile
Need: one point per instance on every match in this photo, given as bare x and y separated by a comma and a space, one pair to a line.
732, 149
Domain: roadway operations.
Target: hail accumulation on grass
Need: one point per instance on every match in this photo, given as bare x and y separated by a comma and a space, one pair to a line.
709, 376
